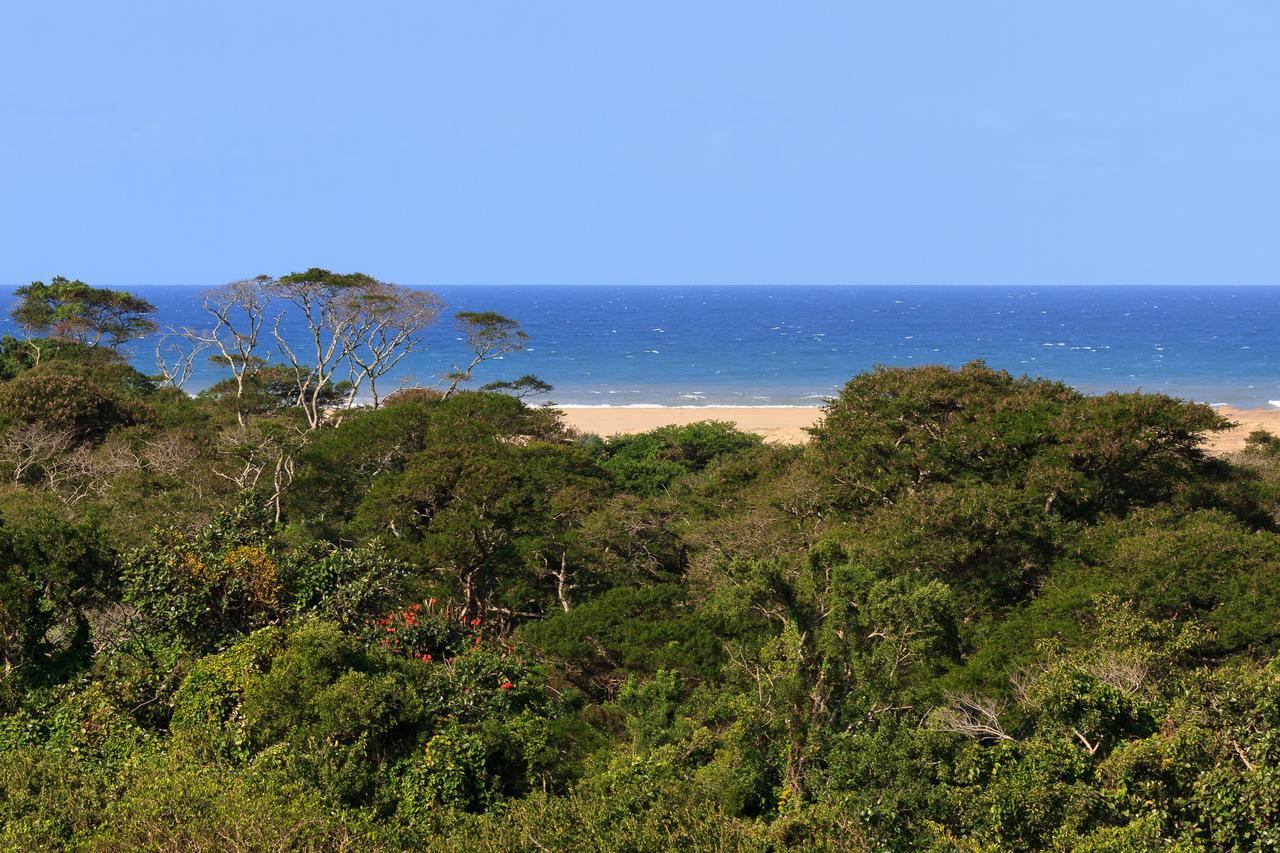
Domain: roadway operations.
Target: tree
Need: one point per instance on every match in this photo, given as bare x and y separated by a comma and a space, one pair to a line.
897, 431
67, 396
267, 389
385, 322
489, 335
826, 646
503, 522
176, 360
648, 462
32, 446
240, 311
72, 310
261, 456
226, 580
353, 321
526, 386
49, 571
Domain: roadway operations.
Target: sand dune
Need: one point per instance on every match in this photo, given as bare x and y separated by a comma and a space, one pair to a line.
787, 425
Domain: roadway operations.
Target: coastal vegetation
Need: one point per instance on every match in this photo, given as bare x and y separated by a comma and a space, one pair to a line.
293, 611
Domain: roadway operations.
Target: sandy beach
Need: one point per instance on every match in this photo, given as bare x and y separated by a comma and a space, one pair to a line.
781, 425
787, 425
1248, 420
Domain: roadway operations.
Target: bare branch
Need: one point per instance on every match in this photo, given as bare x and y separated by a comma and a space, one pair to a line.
239, 310
34, 445
973, 716
176, 361
1091, 747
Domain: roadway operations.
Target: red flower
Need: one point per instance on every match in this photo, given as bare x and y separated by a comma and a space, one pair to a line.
506, 685
477, 641
426, 658
475, 622
432, 601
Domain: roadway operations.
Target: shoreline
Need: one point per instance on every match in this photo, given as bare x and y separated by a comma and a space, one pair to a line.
788, 424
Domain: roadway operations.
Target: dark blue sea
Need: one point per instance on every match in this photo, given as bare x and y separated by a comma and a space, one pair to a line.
794, 345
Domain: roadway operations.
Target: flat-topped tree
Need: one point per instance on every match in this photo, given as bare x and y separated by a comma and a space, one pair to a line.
354, 324
71, 310
526, 386
489, 335
382, 325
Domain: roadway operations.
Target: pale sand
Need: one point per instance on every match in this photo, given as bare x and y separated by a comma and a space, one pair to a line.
787, 425
1248, 420
777, 425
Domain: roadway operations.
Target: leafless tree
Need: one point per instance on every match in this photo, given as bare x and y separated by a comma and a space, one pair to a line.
70, 476
176, 353
33, 445
354, 323
240, 311
1125, 673
971, 715
386, 322
109, 461
326, 326
317, 297
262, 457
169, 454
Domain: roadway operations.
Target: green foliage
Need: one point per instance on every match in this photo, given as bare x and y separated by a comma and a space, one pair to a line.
648, 462
172, 804
267, 389
51, 571
72, 310
203, 589
625, 630
343, 584
449, 773
232, 578
526, 386
500, 519
338, 465
899, 430
489, 335
976, 612
208, 720
85, 400
332, 711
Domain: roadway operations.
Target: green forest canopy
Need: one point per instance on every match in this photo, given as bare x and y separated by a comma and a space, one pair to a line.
976, 611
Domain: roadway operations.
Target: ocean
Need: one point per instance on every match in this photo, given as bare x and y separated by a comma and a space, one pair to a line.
795, 345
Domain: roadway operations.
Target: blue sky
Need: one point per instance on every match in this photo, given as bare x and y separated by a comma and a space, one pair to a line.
652, 143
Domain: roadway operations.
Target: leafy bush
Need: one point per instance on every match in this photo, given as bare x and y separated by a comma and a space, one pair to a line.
648, 462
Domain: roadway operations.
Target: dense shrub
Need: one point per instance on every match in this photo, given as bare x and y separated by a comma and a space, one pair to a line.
66, 398
649, 462
976, 612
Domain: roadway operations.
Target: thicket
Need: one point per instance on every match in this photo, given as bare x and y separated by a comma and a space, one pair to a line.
975, 612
